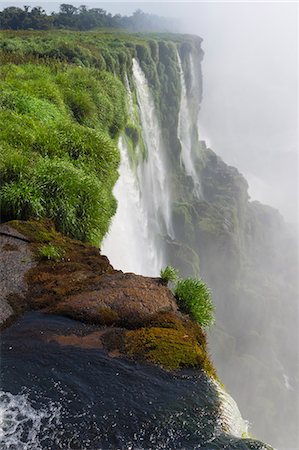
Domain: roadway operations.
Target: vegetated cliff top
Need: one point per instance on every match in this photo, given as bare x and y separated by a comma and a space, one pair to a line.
63, 107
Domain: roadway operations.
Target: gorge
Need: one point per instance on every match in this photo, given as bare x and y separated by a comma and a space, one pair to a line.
83, 95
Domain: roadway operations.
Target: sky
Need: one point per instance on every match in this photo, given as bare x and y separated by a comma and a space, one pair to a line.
249, 113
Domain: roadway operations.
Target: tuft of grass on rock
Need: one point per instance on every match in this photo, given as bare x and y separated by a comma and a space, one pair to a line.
169, 274
194, 298
51, 252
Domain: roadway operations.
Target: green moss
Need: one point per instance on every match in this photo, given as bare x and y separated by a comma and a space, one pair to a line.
170, 348
172, 342
132, 133
36, 231
106, 316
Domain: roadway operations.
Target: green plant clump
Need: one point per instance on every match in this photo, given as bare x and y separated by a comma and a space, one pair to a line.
58, 146
194, 298
169, 274
51, 252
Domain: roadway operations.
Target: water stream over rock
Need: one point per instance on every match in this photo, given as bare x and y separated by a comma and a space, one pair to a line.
59, 394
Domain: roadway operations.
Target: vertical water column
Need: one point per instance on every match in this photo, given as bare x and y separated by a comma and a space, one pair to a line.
129, 244
154, 180
135, 241
185, 135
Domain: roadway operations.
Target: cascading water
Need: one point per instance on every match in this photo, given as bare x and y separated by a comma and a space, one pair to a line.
24, 427
135, 239
185, 131
130, 244
99, 402
155, 186
230, 417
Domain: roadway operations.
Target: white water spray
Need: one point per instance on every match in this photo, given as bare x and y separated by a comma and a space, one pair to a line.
153, 175
135, 239
22, 426
130, 244
230, 419
185, 132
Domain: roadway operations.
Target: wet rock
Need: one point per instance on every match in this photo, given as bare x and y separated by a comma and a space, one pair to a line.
81, 285
118, 297
16, 259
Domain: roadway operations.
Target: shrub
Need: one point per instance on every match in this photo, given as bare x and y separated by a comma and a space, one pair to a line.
51, 252
194, 298
169, 274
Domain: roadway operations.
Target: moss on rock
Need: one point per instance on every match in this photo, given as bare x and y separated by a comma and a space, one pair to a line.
170, 348
172, 341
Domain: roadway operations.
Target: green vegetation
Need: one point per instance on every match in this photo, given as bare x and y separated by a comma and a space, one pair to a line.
194, 298
169, 274
62, 109
59, 127
171, 342
80, 18
51, 252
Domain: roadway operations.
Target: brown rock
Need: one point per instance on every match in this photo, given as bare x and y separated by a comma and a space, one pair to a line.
82, 285
132, 299
91, 340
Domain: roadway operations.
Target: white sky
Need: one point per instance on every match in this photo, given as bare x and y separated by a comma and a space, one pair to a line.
250, 71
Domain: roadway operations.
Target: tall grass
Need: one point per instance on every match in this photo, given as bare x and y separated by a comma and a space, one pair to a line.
58, 146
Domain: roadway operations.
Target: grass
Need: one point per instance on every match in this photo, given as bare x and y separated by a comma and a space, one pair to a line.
62, 109
194, 298
169, 274
51, 252
59, 155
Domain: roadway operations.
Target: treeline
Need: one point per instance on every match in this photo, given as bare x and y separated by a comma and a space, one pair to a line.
81, 18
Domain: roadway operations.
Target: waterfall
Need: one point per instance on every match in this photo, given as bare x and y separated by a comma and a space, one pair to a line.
155, 187
135, 239
130, 244
185, 134
230, 418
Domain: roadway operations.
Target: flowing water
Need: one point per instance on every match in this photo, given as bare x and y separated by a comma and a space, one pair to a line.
131, 244
135, 239
185, 131
67, 397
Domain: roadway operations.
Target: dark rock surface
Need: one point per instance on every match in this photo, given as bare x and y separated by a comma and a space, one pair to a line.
16, 259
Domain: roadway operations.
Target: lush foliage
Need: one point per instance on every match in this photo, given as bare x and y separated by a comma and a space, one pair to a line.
194, 297
61, 113
169, 273
58, 145
81, 18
